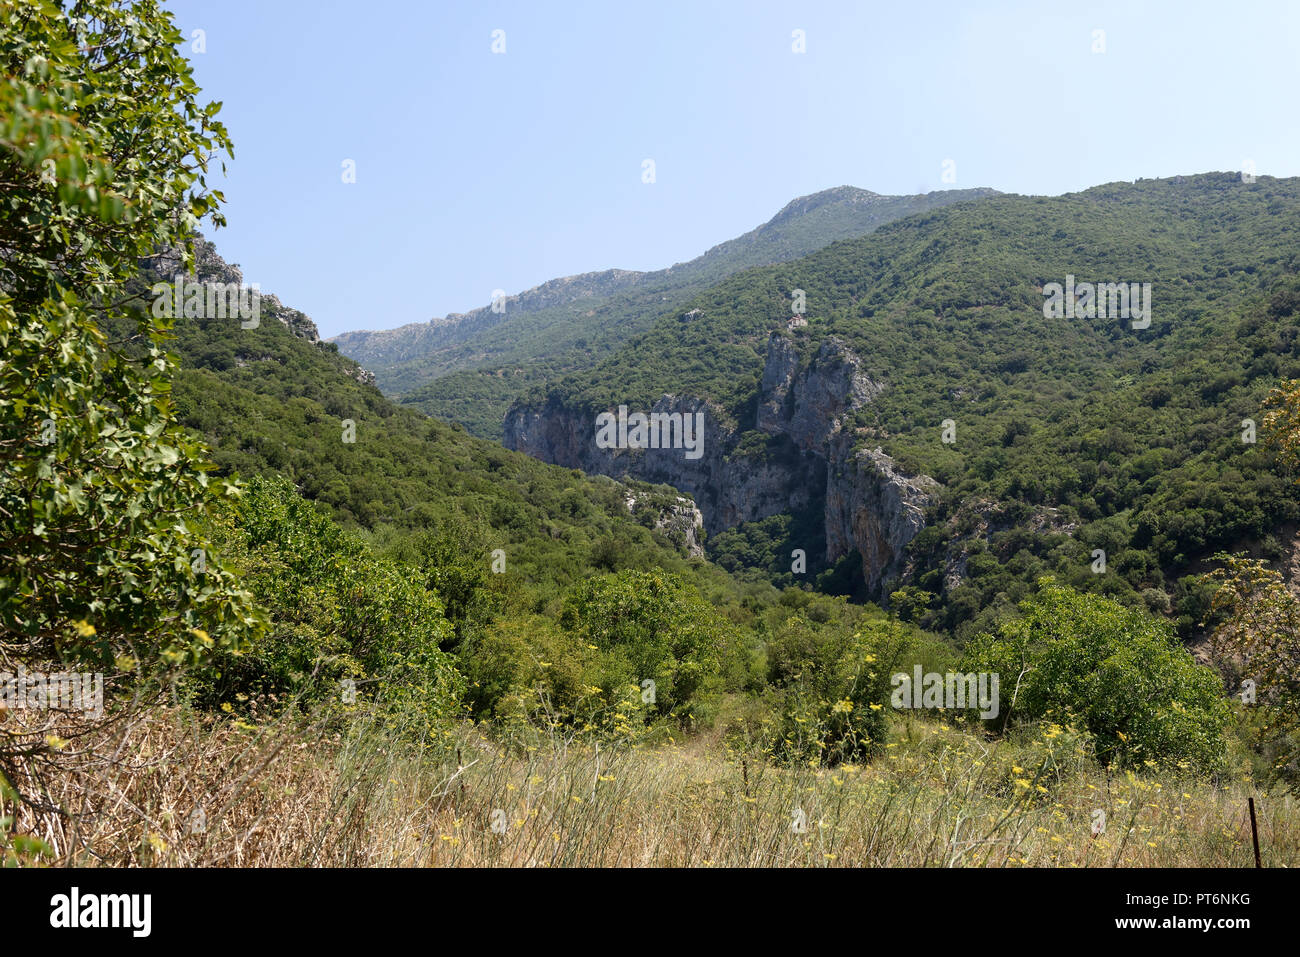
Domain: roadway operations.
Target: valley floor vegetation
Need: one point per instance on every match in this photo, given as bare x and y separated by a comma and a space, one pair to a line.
422, 649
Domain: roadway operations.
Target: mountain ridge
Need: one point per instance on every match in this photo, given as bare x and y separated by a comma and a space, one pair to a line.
800, 205
470, 370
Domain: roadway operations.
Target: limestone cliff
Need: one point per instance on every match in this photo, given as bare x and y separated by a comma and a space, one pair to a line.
798, 454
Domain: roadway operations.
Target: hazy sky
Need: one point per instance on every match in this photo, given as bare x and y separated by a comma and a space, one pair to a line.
478, 170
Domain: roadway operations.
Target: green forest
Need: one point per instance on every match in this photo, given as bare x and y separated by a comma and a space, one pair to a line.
1071, 435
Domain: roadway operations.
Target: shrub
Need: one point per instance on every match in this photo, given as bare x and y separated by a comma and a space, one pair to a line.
1119, 670
831, 686
336, 611
650, 626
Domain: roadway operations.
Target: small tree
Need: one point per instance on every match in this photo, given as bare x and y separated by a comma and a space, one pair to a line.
650, 627
103, 151
832, 686
1281, 426
1119, 670
103, 154
1257, 639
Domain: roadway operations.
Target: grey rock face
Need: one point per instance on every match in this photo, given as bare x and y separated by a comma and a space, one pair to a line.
831, 387
681, 522
875, 509
778, 377
799, 455
729, 487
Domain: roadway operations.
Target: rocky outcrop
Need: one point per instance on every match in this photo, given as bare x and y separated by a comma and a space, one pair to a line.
800, 453
680, 521
832, 386
364, 376
298, 323
729, 486
874, 508
979, 520
209, 267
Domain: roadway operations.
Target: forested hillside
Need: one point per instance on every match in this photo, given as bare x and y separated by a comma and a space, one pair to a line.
1069, 434
273, 399
469, 368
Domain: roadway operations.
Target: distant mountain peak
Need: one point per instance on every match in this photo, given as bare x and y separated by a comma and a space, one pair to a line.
836, 194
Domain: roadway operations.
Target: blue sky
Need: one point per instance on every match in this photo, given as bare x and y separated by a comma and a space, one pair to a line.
477, 171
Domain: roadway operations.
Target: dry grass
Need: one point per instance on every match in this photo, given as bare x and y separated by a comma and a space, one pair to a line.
292, 794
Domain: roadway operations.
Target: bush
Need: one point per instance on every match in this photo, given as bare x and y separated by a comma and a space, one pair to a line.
650, 627
831, 686
337, 612
1121, 672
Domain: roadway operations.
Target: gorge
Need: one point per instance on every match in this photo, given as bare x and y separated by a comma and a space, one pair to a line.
799, 454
